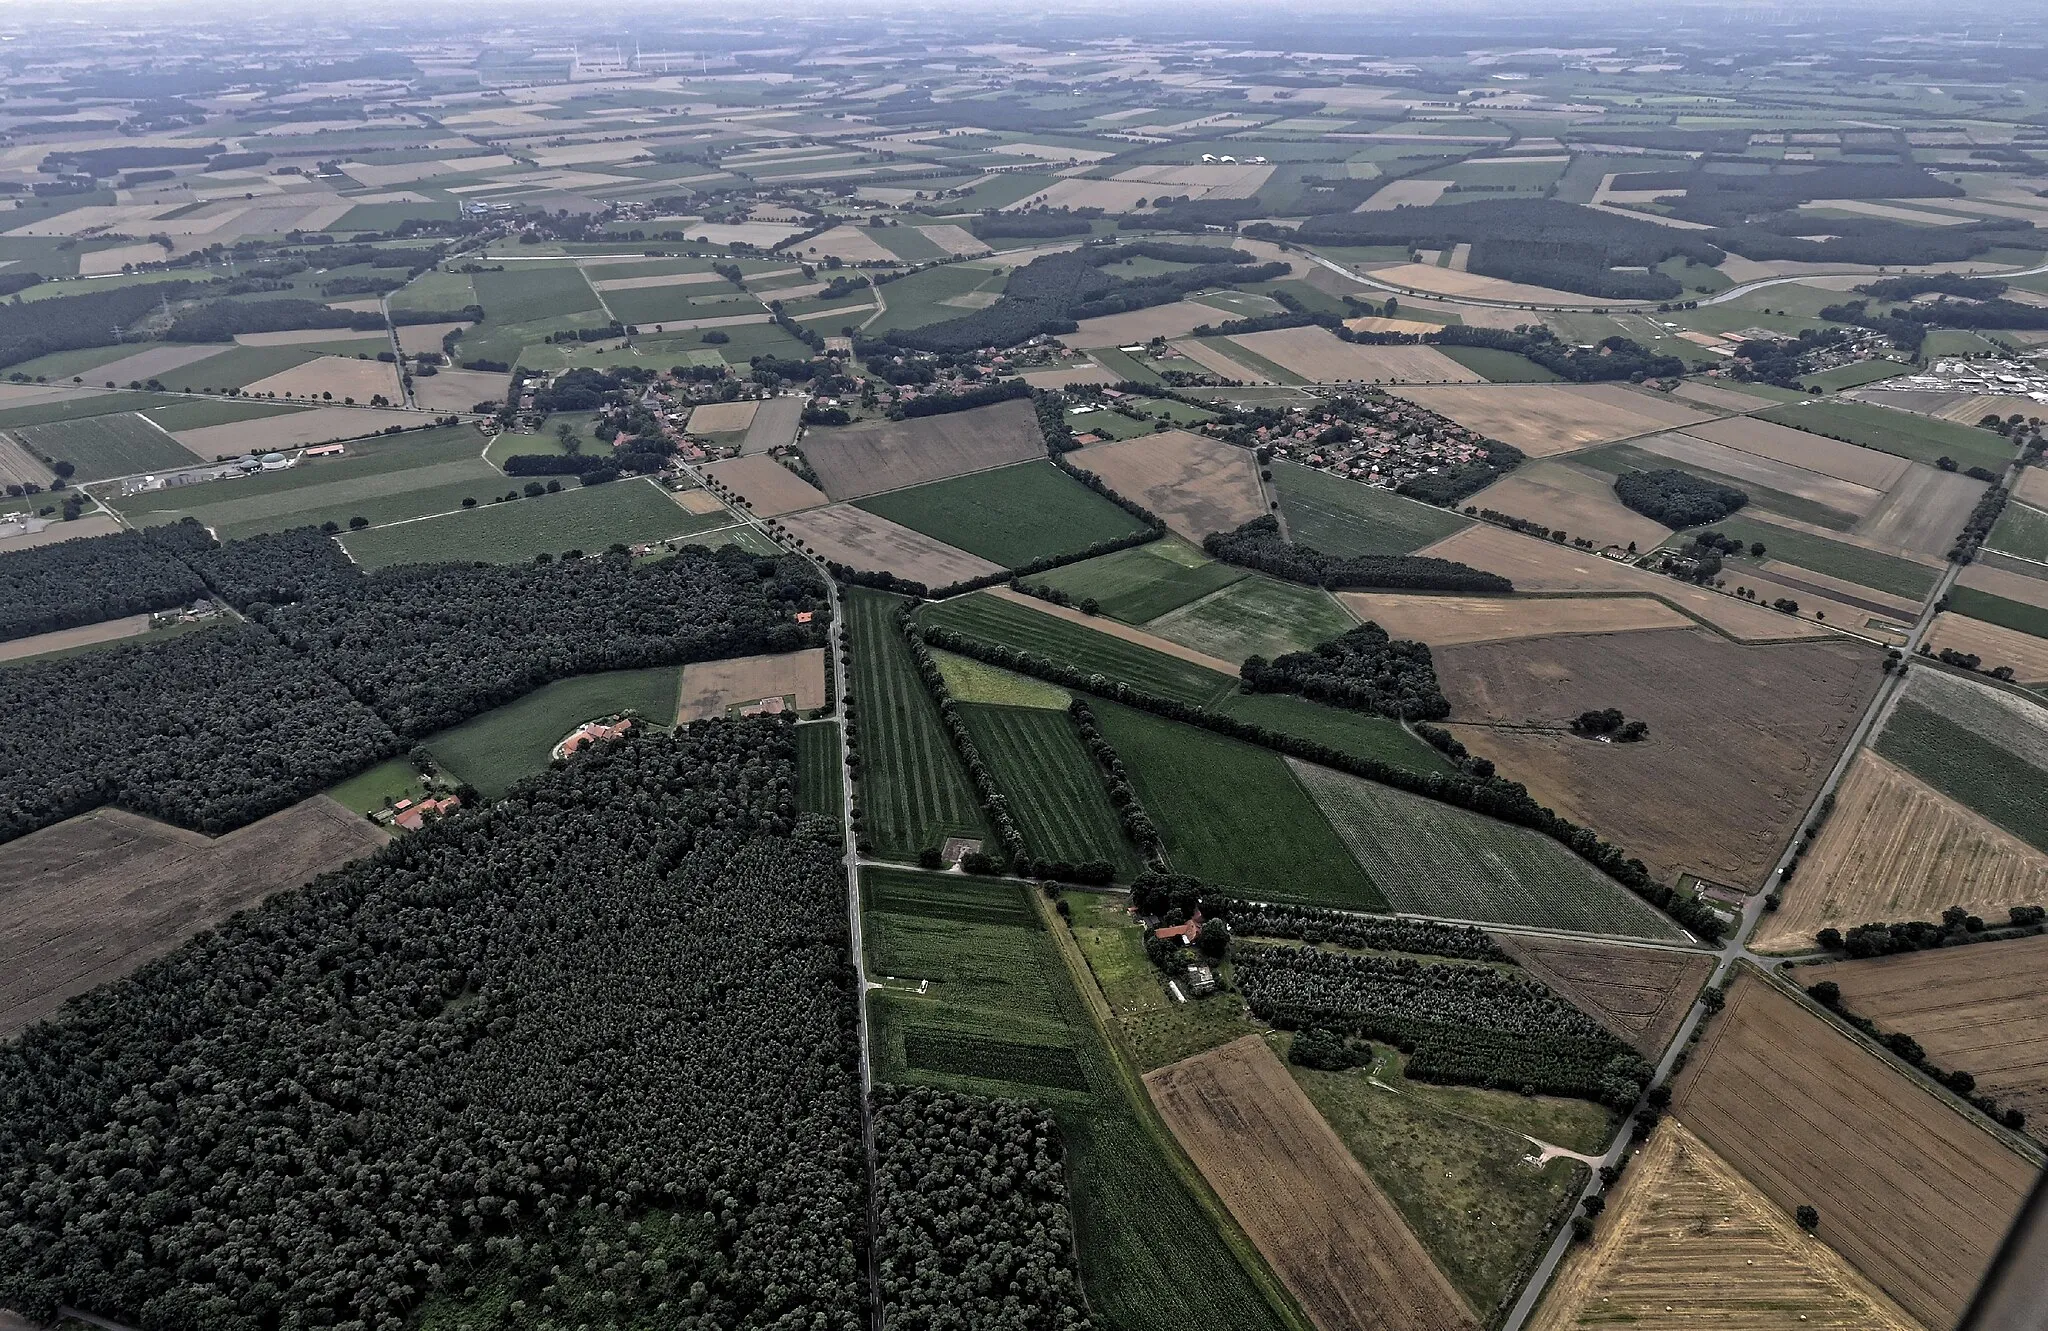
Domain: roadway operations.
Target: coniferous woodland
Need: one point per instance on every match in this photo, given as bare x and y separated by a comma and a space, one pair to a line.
1259, 545
490, 1066
99, 578
1366, 670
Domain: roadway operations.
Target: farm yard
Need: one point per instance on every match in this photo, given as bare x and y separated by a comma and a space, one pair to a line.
1011, 516
709, 688
1914, 1194
1195, 484
1547, 419
93, 898
1641, 994
875, 456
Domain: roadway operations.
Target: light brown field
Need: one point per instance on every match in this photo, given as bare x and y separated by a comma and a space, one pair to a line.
157, 362
1427, 277
1639, 993
1217, 361
875, 456
1923, 511
1319, 1220
1541, 566
699, 502
1446, 621
719, 417
459, 390
1687, 1244
871, 543
85, 635
954, 239
1404, 194
1195, 484
2003, 582
18, 466
1870, 616
343, 376
300, 427
92, 898
2032, 486
1320, 356
658, 280
769, 488
415, 338
1829, 457
1121, 330
1115, 629
1372, 323
1996, 644
1757, 727
1748, 469
1973, 409
1067, 377
1719, 398
851, 243
93, 524
1980, 1009
1573, 501
1546, 419
709, 687
1912, 1192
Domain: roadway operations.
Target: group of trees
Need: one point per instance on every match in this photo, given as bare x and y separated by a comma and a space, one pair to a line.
1956, 927
99, 578
1781, 361
1365, 669
1378, 933
1983, 517
29, 329
460, 1069
1475, 1025
1609, 723
1677, 498
940, 404
972, 1226
222, 320
1609, 359
1259, 545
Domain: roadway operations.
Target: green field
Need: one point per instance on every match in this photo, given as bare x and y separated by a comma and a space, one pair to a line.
1903, 434
969, 680
1359, 734
386, 216
818, 787
587, 518
913, 791
508, 743
2000, 610
1853, 376
1430, 858
1500, 367
1234, 814
1056, 793
103, 446
528, 292
919, 299
1970, 769
1344, 517
662, 305
381, 786
198, 413
1256, 616
2021, 530
995, 619
1012, 515
81, 408
237, 367
1143, 582
1839, 559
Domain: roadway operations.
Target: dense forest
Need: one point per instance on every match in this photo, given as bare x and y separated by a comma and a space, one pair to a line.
1365, 670
1609, 359
1343, 928
29, 329
99, 578
221, 320
495, 1069
1677, 498
1259, 545
1728, 198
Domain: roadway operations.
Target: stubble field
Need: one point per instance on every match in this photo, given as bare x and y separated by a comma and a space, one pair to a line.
1449, 621
1641, 994
1195, 484
1546, 419
867, 541
875, 456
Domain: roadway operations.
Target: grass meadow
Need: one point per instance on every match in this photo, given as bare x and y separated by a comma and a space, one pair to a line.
1143, 582
1055, 790
817, 769
112, 445
586, 518
1344, 517
506, 744
1011, 515
1901, 433
913, 791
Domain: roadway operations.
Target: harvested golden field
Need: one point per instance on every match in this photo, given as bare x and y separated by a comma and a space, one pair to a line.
1843, 589
769, 488
459, 390
1427, 277
1751, 470
2032, 487
869, 542
1914, 1193
1720, 398
1373, 323
1195, 484
2002, 582
1320, 356
1996, 644
657, 280
1121, 330
1542, 566
1894, 848
1687, 1244
1639, 993
94, 897
1546, 419
1447, 621
1218, 362
318, 426
1923, 511
1578, 503
710, 687
1740, 737
344, 377
1321, 1223
1980, 1009
874, 456
699, 502
1829, 457
85, 635
720, 417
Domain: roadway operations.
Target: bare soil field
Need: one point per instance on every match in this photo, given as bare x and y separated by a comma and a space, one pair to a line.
2002, 582
869, 542
1688, 1244
775, 424
158, 361
1373, 323
1914, 1193
1923, 511
1546, 419
1447, 621
1740, 737
1212, 180
1105, 625
1829, 457
1437, 281
1319, 1220
343, 376
1404, 194
1573, 501
1121, 330
1320, 356
719, 417
699, 502
459, 390
1740, 467
111, 630
1216, 361
98, 524
300, 427
851, 243
709, 687
1996, 644
1195, 484
92, 898
1541, 566
1980, 1009
1639, 993
874, 456
769, 488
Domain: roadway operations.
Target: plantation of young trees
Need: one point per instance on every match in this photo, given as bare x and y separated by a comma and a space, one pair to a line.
1677, 498
972, 1226
1259, 545
1366, 670
583, 1057
99, 578
1380, 933
1457, 1023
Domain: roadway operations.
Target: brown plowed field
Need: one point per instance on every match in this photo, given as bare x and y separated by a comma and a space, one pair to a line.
85, 635
1326, 1229
1448, 621
1894, 848
2032, 487
868, 541
769, 488
875, 456
1996, 644
1639, 993
1687, 1244
92, 898
1981, 1009
1196, 484
1914, 1193
1740, 737
709, 687
1571, 501
1320, 356
1544, 419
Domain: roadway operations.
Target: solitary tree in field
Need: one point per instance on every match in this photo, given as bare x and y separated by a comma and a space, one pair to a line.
358, 522
1808, 1218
